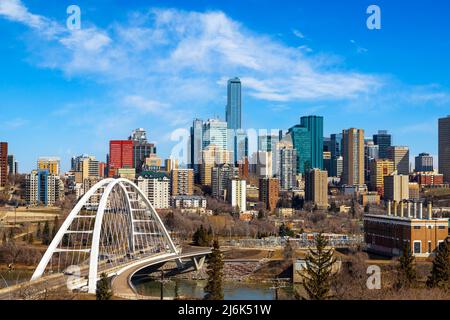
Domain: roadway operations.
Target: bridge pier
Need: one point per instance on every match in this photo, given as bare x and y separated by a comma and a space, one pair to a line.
198, 263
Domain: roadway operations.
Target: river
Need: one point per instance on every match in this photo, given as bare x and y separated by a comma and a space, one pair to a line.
194, 289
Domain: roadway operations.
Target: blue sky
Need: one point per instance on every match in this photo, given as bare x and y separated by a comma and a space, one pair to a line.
159, 64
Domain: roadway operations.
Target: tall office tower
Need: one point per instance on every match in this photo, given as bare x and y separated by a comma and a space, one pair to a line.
43, 188
212, 156
326, 144
353, 154
156, 188
383, 140
371, 152
327, 163
396, 187
182, 181
170, 164
307, 138
337, 166
12, 164
336, 145
379, 169
121, 155
237, 194
269, 189
52, 164
268, 143
215, 133
316, 188
400, 156
141, 148
423, 163
286, 163
220, 177
196, 145
444, 148
3, 163
234, 104
240, 146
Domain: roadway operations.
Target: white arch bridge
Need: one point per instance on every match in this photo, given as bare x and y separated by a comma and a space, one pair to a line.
112, 228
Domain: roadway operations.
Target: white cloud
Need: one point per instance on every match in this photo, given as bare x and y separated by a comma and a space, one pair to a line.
298, 34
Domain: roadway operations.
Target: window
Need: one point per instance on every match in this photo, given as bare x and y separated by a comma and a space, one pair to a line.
417, 227
417, 246
429, 246
441, 227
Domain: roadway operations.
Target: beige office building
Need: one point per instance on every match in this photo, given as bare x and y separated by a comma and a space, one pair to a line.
212, 156
400, 156
380, 168
353, 153
396, 187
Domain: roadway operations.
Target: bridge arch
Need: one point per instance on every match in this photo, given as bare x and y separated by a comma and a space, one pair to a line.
111, 225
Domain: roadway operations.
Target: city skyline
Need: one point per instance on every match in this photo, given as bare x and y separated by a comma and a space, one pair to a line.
350, 79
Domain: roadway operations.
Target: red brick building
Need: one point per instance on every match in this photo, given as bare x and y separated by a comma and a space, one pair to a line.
388, 234
269, 189
428, 179
120, 155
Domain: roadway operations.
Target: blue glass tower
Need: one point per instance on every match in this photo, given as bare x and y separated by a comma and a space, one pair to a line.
307, 138
234, 104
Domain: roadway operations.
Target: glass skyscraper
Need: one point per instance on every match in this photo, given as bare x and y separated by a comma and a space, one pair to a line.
383, 140
307, 138
234, 104
196, 144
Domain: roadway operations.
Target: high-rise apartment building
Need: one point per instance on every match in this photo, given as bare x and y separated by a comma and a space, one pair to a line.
307, 138
353, 154
286, 163
423, 163
43, 188
3, 163
316, 188
182, 182
396, 187
264, 164
237, 194
87, 166
234, 104
337, 166
400, 156
383, 140
444, 148
220, 177
380, 168
157, 190
52, 164
121, 155
269, 192
142, 149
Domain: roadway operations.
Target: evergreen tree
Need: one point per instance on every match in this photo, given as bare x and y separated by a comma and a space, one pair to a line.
11, 234
46, 234
318, 272
213, 289
440, 272
288, 252
202, 238
30, 238
55, 227
407, 272
38, 231
103, 288
4, 240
